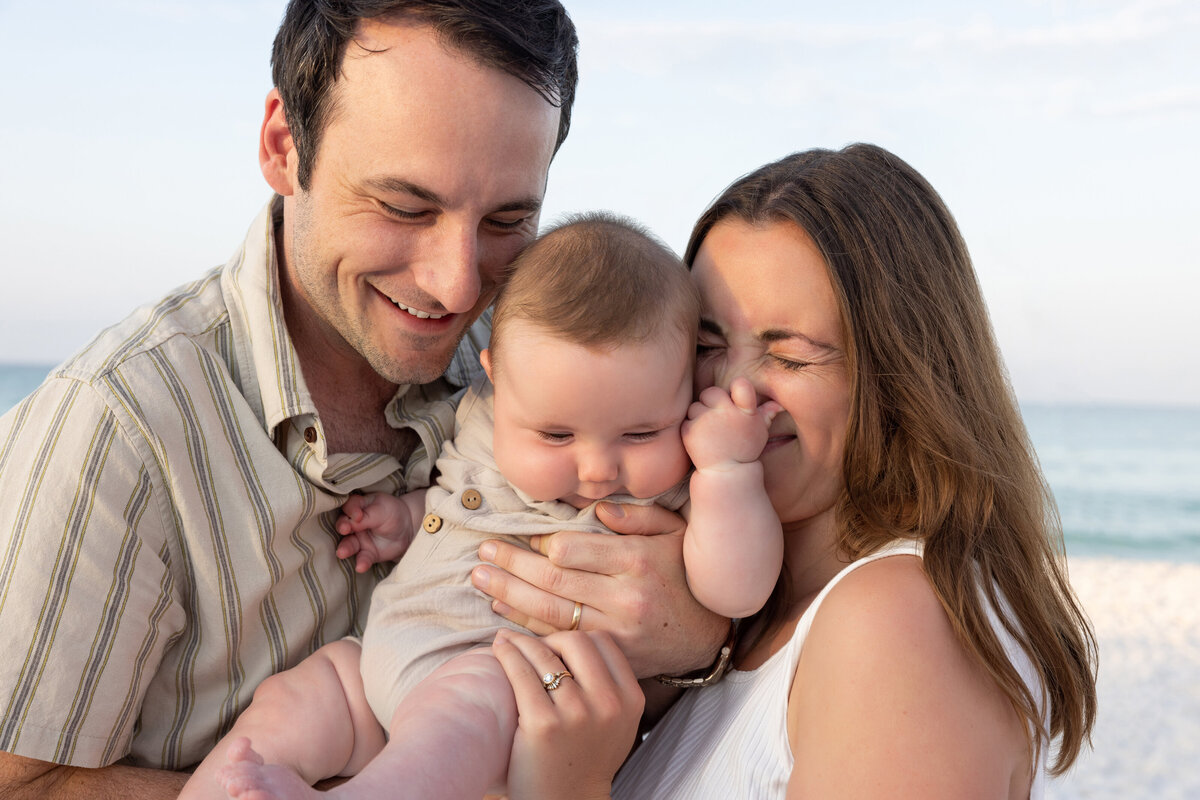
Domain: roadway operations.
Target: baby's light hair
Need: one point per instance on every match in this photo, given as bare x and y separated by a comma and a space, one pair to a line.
599, 280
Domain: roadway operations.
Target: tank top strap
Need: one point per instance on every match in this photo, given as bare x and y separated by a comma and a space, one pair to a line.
897, 547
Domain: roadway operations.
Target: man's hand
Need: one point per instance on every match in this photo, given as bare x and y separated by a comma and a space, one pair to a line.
631, 586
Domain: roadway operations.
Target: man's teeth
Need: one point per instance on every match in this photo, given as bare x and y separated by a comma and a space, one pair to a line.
416, 312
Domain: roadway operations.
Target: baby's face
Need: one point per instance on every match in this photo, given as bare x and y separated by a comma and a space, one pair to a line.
577, 424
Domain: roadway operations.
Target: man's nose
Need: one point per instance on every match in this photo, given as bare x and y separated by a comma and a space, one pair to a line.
449, 269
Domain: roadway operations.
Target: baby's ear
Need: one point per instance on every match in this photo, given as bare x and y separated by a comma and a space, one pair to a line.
485, 358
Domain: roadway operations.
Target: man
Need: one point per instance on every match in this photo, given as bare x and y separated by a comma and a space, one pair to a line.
166, 496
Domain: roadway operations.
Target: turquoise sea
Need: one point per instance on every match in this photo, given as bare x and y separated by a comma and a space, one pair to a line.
1127, 479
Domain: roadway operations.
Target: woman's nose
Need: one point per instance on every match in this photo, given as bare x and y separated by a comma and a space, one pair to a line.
747, 368
734, 365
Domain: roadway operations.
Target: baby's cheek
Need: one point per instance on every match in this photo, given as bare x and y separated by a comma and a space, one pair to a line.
671, 467
549, 480
529, 471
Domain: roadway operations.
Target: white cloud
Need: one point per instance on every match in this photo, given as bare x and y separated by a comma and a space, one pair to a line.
1165, 100
1129, 60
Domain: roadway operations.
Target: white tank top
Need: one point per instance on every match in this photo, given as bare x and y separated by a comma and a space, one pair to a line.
730, 740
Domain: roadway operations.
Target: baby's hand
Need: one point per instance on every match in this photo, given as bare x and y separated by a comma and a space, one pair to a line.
727, 427
377, 527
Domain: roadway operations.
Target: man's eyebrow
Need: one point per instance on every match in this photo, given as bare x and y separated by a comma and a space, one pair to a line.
400, 186
530, 204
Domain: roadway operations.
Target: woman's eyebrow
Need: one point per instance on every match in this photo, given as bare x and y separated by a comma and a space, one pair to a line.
782, 334
771, 335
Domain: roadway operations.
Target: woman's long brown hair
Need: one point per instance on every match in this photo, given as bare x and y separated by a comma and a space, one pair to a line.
936, 449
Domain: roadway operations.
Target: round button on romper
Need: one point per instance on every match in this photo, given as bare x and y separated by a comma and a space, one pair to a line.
471, 499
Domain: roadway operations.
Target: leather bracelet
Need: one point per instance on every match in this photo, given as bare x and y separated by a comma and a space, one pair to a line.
719, 668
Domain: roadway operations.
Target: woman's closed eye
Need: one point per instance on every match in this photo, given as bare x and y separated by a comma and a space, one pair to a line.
790, 364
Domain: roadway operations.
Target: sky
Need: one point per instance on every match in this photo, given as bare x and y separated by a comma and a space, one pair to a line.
1061, 133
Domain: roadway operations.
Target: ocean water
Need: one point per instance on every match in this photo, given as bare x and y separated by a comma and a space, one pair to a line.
1127, 480
18, 380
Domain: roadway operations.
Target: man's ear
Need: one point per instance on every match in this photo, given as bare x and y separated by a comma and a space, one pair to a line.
277, 155
485, 358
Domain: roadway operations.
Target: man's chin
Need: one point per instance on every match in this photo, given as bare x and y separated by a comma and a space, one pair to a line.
412, 368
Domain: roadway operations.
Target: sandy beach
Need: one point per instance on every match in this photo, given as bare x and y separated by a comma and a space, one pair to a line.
1147, 738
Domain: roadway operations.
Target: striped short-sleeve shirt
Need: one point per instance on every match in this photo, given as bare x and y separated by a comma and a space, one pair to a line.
166, 510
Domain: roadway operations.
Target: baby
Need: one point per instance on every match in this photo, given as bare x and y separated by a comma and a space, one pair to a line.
588, 398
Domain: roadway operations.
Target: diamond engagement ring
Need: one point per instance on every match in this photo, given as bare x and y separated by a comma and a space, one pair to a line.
551, 680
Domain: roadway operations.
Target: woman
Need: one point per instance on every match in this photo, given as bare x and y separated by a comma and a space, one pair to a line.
923, 640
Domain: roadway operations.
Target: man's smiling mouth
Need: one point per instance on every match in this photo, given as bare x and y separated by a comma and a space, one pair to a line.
416, 312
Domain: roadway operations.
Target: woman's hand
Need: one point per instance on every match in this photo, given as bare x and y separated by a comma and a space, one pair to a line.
570, 740
631, 586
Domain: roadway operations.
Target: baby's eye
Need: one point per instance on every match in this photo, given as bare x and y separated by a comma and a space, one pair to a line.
642, 436
555, 437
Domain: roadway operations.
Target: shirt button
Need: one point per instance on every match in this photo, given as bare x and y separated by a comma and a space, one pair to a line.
432, 523
471, 499
310, 434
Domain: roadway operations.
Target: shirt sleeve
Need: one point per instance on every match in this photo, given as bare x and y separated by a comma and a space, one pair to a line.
87, 600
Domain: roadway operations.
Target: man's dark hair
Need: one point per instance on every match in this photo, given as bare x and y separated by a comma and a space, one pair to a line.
533, 40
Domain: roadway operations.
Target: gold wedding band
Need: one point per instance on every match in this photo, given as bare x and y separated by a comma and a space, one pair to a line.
575, 617
551, 680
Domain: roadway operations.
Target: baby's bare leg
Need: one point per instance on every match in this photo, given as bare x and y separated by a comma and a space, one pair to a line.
311, 720
450, 737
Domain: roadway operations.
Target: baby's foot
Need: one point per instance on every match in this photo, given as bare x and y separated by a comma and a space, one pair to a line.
246, 777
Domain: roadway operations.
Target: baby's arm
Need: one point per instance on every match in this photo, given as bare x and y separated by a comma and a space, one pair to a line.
733, 545
378, 526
